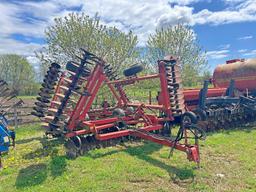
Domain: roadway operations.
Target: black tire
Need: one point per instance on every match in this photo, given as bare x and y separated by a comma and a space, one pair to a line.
118, 112
73, 146
201, 114
133, 70
130, 110
189, 118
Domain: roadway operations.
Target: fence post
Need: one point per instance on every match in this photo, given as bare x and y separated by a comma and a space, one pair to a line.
150, 97
15, 117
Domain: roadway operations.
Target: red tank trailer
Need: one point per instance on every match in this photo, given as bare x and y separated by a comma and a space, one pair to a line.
242, 71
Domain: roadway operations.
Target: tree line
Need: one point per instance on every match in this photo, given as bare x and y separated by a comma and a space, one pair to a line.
120, 49
19, 74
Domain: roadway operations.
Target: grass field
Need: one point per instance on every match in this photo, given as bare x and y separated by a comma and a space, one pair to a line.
228, 164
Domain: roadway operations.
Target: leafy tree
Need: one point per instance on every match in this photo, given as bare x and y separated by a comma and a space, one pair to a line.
178, 40
69, 33
206, 75
18, 73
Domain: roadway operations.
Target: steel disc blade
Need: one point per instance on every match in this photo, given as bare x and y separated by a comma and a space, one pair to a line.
37, 114
73, 68
49, 82
45, 95
40, 104
51, 77
54, 125
52, 72
46, 90
55, 65
42, 99
39, 109
45, 85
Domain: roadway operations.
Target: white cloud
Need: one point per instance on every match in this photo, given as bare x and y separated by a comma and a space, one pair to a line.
11, 21
183, 2
245, 37
242, 11
30, 18
217, 54
242, 50
250, 53
233, 1
145, 16
12, 46
225, 46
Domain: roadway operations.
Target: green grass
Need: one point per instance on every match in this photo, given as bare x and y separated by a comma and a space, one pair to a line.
228, 163
28, 97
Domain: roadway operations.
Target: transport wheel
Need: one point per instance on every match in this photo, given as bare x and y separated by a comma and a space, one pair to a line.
201, 114
85, 145
166, 131
73, 146
189, 118
130, 110
133, 70
118, 112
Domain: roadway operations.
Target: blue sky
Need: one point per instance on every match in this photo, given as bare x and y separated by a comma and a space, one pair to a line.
226, 29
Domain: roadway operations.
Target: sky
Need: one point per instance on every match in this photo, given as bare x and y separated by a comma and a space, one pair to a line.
226, 29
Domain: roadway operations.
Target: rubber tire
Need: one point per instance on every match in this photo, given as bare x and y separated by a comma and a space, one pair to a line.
130, 110
201, 114
118, 112
133, 70
73, 146
192, 116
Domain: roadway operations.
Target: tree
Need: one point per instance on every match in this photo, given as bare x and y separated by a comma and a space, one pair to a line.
178, 40
68, 34
18, 73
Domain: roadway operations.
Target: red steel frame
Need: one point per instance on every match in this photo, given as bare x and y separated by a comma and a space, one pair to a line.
151, 122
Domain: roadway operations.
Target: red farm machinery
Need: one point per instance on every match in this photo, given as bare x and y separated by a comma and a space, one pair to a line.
65, 105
